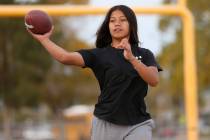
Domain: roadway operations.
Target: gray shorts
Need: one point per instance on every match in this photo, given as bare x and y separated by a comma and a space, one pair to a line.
103, 130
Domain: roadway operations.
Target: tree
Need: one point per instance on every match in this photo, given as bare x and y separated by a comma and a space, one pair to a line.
172, 55
24, 67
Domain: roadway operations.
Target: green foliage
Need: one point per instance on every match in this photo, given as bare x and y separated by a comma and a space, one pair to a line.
172, 54
22, 63
6, 2
29, 75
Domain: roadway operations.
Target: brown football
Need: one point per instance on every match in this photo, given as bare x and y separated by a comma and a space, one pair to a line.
38, 22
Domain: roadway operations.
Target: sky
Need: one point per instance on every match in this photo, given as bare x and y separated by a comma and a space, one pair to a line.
148, 30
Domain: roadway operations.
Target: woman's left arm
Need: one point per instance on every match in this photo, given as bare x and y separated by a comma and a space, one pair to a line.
147, 73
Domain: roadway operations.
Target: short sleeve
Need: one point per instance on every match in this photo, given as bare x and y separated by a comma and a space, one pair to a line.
150, 60
88, 57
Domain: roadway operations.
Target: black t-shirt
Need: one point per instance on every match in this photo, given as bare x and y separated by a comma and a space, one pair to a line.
121, 100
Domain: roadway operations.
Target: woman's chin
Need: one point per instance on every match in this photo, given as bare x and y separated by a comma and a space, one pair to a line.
119, 37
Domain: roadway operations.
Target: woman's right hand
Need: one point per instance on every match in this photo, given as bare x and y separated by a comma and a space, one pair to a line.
43, 37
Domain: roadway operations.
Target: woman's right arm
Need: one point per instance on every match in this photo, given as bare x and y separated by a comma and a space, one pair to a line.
68, 58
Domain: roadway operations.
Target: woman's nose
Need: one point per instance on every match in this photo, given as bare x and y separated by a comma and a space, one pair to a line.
117, 23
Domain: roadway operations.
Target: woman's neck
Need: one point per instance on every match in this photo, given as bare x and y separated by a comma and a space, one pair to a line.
115, 43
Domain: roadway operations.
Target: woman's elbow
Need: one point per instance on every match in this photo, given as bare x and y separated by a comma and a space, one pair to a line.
154, 82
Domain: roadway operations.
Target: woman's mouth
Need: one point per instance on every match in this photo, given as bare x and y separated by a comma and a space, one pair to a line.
117, 30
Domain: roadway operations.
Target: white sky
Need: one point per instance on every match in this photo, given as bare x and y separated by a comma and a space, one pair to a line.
148, 31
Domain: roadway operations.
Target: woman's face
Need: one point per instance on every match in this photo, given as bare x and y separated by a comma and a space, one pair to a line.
118, 25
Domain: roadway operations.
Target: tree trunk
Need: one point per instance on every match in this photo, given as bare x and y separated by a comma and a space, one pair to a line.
6, 123
5, 86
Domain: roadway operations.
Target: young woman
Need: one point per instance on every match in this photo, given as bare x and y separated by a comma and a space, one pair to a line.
123, 70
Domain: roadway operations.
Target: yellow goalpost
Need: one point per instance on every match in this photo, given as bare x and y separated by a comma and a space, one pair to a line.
180, 9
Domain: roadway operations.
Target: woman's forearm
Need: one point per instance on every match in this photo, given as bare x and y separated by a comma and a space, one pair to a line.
148, 74
55, 51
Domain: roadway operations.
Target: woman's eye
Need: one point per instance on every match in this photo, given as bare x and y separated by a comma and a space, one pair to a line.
112, 20
123, 19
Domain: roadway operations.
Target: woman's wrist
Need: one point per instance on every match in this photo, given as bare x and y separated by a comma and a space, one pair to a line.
43, 41
131, 59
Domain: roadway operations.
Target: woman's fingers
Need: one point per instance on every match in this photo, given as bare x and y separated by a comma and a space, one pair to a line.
29, 31
41, 37
124, 44
120, 46
50, 32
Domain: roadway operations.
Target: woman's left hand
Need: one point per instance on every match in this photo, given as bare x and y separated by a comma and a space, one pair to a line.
127, 49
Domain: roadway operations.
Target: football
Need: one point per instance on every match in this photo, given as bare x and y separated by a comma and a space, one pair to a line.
38, 22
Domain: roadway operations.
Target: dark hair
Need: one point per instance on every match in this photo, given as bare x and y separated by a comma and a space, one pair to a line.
103, 36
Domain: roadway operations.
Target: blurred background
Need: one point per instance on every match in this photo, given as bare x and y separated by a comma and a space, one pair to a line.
41, 99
